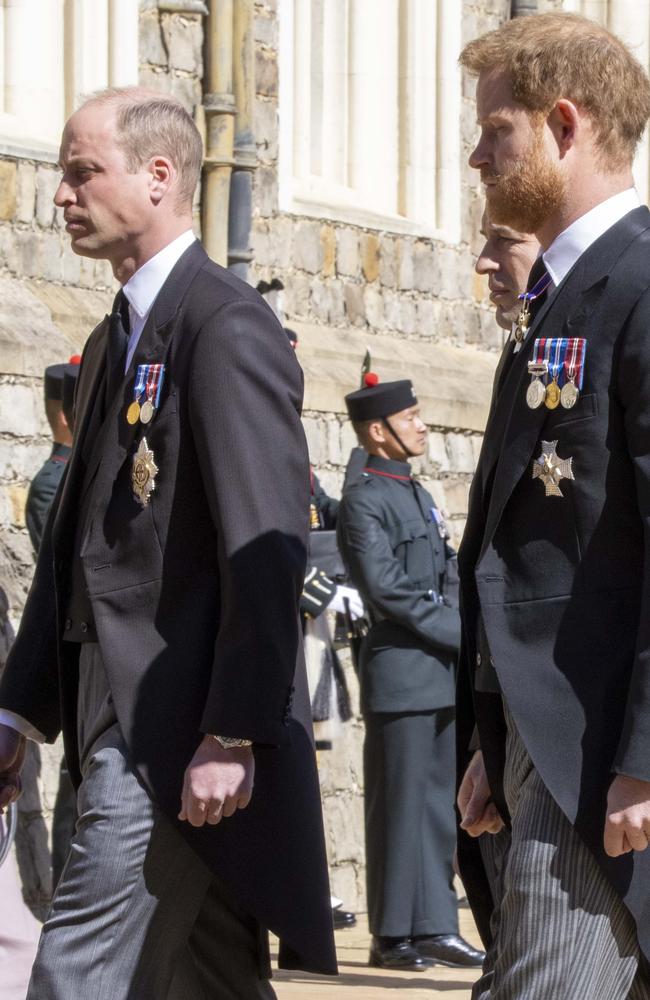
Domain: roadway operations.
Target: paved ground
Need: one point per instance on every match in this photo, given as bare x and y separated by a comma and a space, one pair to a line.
358, 982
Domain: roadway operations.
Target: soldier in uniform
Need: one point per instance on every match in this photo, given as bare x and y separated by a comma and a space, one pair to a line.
394, 542
45, 482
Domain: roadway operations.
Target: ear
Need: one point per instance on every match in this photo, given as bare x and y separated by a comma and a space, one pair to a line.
376, 432
564, 122
162, 176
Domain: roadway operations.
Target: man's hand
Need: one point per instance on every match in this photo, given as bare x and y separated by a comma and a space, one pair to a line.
12, 755
217, 783
477, 811
627, 827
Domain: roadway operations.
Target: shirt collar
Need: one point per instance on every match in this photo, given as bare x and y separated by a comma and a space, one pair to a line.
388, 467
142, 289
566, 248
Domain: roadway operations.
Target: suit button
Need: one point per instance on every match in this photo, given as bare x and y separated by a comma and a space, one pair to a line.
68, 624
84, 626
479, 659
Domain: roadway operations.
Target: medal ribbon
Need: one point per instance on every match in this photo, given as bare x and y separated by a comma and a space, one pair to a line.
538, 289
140, 382
558, 346
574, 364
154, 376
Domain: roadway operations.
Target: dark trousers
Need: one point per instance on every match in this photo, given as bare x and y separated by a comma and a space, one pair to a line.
409, 774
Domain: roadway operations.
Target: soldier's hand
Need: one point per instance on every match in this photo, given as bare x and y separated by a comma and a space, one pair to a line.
217, 783
627, 826
478, 812
12, 755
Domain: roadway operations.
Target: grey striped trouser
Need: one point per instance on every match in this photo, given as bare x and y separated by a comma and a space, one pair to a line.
136, 915
560, 930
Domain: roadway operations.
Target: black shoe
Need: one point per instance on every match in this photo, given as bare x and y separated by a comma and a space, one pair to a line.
395, 953
449, 949
343, 919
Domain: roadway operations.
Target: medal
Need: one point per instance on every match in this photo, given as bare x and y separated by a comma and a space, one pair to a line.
536, 392
551, 469
523, 319
563, 359
569, 395
133, 412
520, 326
148, 383
143, 474
440, 523
574, 364
556, 348
552, 395
146, 411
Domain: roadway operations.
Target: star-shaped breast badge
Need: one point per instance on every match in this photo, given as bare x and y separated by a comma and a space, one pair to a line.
143, 474
551, 469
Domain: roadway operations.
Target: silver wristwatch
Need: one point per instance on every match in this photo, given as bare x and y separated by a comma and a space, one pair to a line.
230, 742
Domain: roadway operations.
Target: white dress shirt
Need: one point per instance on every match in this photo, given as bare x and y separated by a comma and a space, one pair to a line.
566, 248
141, 291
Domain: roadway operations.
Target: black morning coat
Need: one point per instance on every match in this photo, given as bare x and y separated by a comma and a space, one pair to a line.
563, 583
195, 597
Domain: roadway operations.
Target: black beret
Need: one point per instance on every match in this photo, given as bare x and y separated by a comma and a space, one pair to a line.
380, 400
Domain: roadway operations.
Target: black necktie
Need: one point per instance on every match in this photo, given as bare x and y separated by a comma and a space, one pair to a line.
118, 339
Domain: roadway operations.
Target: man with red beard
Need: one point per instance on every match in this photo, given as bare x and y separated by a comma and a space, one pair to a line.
554, 683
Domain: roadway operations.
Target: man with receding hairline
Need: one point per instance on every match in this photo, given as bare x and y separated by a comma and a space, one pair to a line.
506, 259
554, 678
161, 634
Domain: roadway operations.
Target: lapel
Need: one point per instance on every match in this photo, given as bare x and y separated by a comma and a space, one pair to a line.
114, 443
89, 388
514, 429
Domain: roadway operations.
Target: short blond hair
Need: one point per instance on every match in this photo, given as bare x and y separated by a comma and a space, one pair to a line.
559, 55
151, 124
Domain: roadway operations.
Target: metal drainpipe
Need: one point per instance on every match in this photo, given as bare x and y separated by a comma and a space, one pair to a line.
519, 8
245, 153
219, 106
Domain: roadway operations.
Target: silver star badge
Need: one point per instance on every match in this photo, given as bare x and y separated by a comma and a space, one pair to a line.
143, 474
551, 469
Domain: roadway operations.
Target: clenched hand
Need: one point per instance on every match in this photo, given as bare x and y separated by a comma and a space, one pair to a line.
478, 812
12, 755
217, 783
627, 826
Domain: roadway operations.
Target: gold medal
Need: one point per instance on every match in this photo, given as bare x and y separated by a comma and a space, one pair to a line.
552, 399
143, 474
133, 413
146, 411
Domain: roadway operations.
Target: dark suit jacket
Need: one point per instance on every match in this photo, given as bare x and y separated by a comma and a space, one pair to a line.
396, 558
563, 584
195, 597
